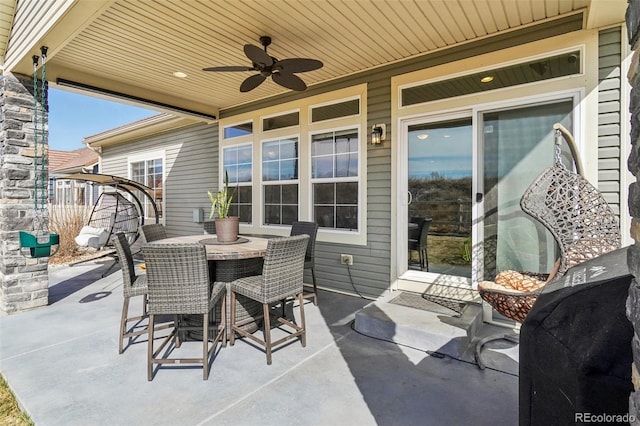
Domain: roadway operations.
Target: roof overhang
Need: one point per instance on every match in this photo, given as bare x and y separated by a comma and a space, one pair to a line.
129, 50
155, 124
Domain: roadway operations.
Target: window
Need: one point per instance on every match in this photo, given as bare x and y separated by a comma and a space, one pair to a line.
302, 161
528, 72
281, 121
237, 163
335, 180
335, 110
237, 130
280, 181
52, 190
150, 173
63, 192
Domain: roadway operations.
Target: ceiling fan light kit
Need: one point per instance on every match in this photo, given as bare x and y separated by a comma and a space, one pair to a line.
281, 72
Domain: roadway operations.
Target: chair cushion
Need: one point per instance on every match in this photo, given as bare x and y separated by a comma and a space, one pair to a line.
490, 286
92, 237
518, 281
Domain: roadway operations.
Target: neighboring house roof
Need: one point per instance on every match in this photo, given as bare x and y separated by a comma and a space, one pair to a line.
147, 126
71, 161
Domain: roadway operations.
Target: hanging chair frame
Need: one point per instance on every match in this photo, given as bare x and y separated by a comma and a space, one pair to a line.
119, 183
585, 229
112, 213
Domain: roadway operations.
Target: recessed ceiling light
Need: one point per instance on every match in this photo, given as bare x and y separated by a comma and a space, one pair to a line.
487, 79
423, 136
180, 74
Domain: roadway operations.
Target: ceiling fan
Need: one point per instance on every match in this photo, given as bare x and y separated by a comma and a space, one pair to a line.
280, 71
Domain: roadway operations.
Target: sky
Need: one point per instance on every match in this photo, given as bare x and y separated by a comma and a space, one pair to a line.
72, 117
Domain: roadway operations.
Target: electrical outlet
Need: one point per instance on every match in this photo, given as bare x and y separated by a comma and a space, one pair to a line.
346, 259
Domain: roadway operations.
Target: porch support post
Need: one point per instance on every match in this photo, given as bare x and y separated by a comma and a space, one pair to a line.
24, 281
633, 302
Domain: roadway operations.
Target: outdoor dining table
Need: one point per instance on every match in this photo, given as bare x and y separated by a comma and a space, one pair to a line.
228, 262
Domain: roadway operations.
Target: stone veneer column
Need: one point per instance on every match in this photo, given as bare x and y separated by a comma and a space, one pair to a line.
24, 281
633, 259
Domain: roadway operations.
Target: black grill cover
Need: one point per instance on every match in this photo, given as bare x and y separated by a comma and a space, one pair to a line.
575, 345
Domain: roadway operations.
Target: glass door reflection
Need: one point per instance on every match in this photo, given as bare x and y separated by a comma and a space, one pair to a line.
440, 173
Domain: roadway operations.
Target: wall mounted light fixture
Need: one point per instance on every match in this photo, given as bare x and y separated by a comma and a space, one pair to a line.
378, 133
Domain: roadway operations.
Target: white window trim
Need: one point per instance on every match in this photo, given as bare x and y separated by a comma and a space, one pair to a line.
452, 76
279, 182
305, 129
242, 138
152, 155
278, 114
584, 85
473, 112
358, 179
334, 102
253, 174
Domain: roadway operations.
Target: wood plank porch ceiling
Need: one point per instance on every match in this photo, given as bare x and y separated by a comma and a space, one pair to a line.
136, 46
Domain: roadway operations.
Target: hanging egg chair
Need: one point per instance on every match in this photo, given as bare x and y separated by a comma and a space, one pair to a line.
112, 213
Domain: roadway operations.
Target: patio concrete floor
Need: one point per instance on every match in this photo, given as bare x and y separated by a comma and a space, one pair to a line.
63, 365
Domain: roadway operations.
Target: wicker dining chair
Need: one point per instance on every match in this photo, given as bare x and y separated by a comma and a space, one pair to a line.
153, 232
282, 277
179, 284
209, 227
420, 243
310, 229
132, 285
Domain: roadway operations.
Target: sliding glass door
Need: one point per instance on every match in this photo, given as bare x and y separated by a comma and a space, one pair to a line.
517, 145
465, 175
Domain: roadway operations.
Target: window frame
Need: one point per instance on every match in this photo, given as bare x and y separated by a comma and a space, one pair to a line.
305, 128
264, 183
334, 102
237, 123
278, 114
145, 157
334, 179
221, 176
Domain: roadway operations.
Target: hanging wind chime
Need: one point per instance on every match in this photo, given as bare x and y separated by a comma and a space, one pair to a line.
39, 242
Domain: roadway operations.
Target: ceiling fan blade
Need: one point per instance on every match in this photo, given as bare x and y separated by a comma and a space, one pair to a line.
229, 68
257, 55
252, 82
298, 65
290, 81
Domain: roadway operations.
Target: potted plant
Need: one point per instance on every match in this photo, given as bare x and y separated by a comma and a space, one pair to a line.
226, 227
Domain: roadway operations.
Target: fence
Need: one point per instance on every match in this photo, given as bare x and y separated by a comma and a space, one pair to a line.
449, 217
